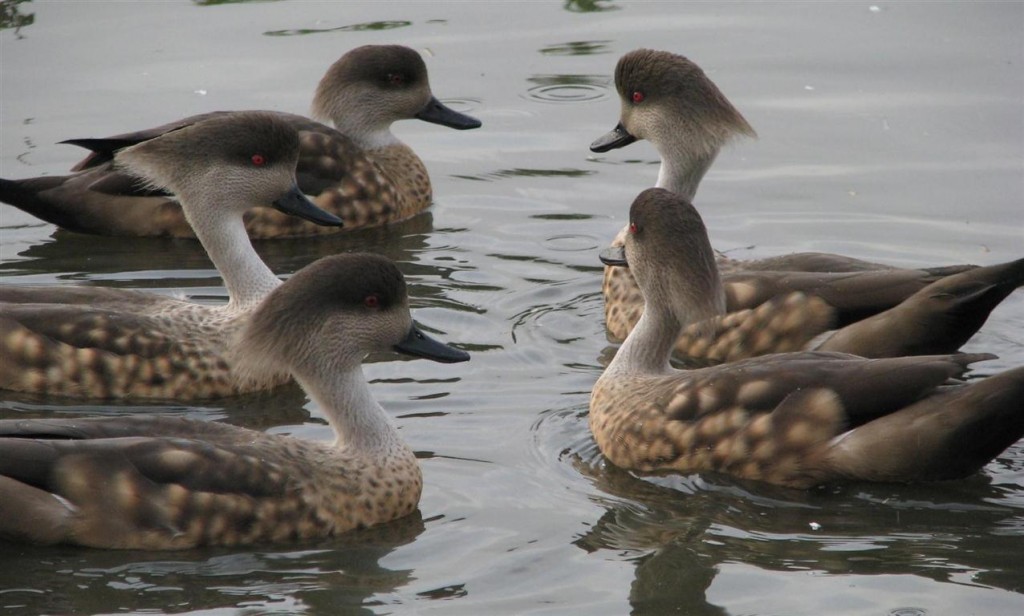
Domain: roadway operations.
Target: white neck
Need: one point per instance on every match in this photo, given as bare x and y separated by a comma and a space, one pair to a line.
222, 233
359, 422
367, 133
682, 169
648, 347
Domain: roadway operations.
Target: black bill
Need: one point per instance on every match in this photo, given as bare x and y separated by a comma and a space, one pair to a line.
418, 344
614, 256
437, 112
297, 204
615, 138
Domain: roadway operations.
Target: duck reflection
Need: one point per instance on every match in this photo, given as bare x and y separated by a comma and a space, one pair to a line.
680, 531
63, 252
12, 17
338, 576
589, 6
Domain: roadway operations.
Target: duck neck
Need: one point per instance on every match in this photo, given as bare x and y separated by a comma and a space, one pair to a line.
359, 421
648, 347
222, 233
682, 169
367, 135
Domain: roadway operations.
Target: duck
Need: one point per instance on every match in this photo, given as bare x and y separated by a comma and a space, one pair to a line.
94, 342
358, 170
797, 420
668, 100
160, 483
938, 319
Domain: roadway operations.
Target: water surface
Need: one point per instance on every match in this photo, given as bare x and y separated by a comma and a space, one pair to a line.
888, 131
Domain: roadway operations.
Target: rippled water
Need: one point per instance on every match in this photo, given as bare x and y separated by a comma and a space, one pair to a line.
890, 132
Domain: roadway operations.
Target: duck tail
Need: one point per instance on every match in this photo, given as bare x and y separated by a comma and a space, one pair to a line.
938, 319
35, 196
29, 513
971, 296
24, 194
946, 436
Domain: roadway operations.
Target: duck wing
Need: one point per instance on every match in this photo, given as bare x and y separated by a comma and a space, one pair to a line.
132, 482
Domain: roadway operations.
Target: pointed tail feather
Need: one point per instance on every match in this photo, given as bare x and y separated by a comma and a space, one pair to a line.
946, 436
939, 318
97, 201
31, 515
30, 195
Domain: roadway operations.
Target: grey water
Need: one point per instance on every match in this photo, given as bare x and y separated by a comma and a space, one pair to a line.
891, 131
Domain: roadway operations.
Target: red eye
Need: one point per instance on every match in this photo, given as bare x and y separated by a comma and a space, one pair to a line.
258, 160
632, 227
396, 79
371, 301
638, 97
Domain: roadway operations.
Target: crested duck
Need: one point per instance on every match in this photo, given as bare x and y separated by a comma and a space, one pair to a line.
116, 343
793, 419
668, 100
145, 482
358, 171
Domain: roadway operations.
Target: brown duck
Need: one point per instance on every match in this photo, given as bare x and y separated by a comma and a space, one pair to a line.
117, 343
172, 483
358, 171
668, 100
794, 419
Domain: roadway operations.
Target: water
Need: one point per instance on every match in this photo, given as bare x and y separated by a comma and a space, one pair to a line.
891, 132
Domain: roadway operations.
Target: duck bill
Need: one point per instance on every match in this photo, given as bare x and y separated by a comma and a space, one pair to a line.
437, 112
297, 204
418, 344
614, 256
615, 138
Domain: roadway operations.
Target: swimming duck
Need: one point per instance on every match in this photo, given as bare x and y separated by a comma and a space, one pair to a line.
146, 482
668, 100
359, 172
116, 343
793, 419
939, 318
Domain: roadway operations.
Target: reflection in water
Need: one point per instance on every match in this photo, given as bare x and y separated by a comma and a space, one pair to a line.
12, 17
334, 577
501, 266
171, 260
578, 48
589, 6
680, 530
216, 2
527, 173
282, 406
368, 26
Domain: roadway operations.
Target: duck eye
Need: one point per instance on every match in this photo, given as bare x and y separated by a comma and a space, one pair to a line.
638, 97
396, 79
632, 227
372, 301
258, 160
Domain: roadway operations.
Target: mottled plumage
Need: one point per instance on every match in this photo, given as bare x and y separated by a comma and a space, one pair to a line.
358, 171
668, 100
172, 483
114, 343
794, 419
